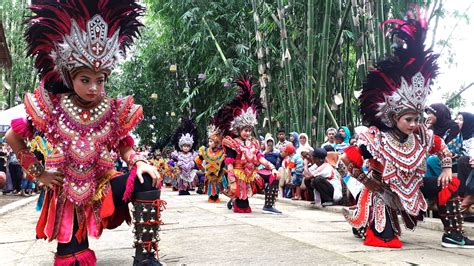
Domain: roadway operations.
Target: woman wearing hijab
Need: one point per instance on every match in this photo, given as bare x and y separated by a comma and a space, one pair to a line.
439, 120
294, 139
304, 143
347, 133
465, 121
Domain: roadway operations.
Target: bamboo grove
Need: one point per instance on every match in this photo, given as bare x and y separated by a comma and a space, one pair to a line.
309, 58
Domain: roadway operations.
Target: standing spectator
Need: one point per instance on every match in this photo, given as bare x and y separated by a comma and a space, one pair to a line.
294, 139
304, 144
330, 137
3, 168
340, 144
281, 140
346, 133
16, 173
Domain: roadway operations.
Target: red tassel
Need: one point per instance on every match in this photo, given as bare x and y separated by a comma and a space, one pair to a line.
374, 241
127, 142
130, 186
445, 194
84, 258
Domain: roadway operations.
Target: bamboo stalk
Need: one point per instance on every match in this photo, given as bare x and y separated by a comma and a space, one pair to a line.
219, 49
323, 72
309, 70
260, 52
288, 67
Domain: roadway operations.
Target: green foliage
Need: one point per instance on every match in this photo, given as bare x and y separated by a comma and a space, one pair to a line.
22, 77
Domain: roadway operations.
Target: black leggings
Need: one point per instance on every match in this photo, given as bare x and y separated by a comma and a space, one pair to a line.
16, 174
325, 189
118, 185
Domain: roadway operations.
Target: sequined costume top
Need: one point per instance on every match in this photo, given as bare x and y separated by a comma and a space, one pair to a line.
81, 142
212, 162
246, 158
185, 163
401, 166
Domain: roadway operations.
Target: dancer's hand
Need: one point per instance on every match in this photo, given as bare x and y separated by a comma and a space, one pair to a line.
471, 162
51, 177
143, 167
445, 177
275, 172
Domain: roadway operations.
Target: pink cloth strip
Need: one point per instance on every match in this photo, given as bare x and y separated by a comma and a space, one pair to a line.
130, 184
21, 128
229, 161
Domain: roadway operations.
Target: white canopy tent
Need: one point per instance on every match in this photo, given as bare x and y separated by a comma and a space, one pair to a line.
6, 116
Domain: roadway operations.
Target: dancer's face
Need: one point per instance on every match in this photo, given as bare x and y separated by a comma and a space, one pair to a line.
408, 122
459, 120
246, 133
212, 144
186, 148
88, 84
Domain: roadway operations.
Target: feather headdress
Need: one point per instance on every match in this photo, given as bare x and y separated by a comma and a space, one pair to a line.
242, 111
186, 134
69, 34
401, 82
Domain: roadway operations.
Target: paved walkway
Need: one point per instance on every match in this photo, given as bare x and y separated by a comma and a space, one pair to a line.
197, 233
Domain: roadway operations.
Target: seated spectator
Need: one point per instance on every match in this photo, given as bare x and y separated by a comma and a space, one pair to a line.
329, 148
285, 176
323, 179
270, 154
340, 144
294, 167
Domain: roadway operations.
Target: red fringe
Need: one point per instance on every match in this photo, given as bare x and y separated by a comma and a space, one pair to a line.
374, 241
21, 128
354, 155
84, 258
130, 186
445, 194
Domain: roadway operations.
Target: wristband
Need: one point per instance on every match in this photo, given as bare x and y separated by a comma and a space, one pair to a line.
30, 164
134, 158
446, 162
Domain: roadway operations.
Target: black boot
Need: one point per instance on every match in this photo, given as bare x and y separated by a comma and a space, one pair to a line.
146, 212
452, 219
271, 192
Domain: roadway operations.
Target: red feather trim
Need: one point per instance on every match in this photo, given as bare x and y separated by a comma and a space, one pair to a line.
354, 154
85, 257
